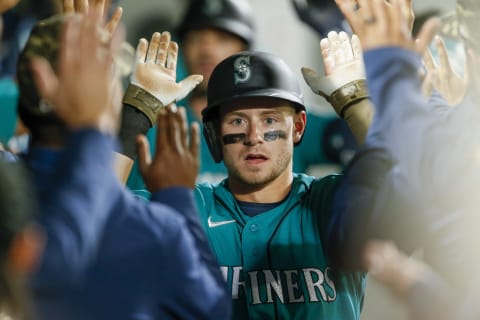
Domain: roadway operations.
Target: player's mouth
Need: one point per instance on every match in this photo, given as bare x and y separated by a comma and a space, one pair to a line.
255, 158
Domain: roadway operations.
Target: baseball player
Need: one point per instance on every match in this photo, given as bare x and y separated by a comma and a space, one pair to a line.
209, 32
265, 224
108, 256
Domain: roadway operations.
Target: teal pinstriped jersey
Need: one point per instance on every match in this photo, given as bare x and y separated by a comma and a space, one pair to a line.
274, 262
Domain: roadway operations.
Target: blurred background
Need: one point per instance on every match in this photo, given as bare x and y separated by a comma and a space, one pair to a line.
293, 34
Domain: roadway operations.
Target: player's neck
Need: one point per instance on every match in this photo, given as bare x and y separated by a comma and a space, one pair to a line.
272, 192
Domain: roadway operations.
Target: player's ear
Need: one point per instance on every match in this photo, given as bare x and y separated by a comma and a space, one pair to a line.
299, 125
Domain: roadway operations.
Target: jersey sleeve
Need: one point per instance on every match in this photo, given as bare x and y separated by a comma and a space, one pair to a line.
197, 267
74, 211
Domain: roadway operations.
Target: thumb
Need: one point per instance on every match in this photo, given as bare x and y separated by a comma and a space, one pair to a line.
45, 79
313, 80
356, 47
188, 84
144, 156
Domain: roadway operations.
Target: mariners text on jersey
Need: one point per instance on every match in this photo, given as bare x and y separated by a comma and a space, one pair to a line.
284, 285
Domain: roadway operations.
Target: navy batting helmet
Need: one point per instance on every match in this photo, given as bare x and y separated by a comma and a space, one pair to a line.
234, 16
244, 75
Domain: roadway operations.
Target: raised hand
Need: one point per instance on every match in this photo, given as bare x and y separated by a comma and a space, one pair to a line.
342, 61
176, 161
82, 7
155, 70
84, 92
441, 77
379, 23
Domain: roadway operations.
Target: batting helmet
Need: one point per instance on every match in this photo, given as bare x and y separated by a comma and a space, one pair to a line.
234, 16
243, 75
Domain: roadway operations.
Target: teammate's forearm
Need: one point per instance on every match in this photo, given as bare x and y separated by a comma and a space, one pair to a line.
359, 117
182, 200
134, 123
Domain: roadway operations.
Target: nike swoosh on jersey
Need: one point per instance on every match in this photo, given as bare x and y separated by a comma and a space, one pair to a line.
214, 224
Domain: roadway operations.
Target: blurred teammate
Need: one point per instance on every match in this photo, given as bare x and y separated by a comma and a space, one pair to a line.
108, 256
407, 186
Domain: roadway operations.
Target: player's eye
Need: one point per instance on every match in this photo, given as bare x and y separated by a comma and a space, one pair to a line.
270, 120
236, 121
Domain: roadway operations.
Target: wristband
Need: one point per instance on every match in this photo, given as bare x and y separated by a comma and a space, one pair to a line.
347, 95
143, 101
134, 123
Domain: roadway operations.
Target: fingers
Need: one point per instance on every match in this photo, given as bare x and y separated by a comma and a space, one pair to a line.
379, 14
365, 11
172, 55
68, 7
188, 84
82, 6
404, 23
163, 46
144, 156
443, 55
153, 48
409, 14
141, 53
117, 41
112, 25
100, 6
345, 46
426, 34
183, 127
356, 47
428, 61
92, 46
68, 54
334, 47
349, 10
175, 125
327, 56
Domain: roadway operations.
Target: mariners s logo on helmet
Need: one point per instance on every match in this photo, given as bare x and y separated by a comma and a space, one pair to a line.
241, 69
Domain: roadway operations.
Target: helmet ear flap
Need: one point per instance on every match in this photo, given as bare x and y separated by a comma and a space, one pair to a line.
213, 140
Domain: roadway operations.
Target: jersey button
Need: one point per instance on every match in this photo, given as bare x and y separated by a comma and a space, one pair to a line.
254, 228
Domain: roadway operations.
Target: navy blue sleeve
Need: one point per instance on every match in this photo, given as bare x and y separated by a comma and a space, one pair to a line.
74, 212
197, 268
381, 194
373, 201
